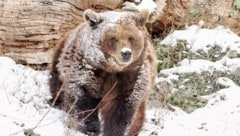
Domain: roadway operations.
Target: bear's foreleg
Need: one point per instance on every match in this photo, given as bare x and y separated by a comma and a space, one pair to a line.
124, 114
138, 120
117, 116
87, 105
81, 106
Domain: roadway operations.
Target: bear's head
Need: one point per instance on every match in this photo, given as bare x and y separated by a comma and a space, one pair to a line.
114, 41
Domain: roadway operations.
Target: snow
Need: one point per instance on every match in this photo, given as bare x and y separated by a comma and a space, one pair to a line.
221, 117
200, 65
24, 94
23, 97
187, 66
198, 38
149, 5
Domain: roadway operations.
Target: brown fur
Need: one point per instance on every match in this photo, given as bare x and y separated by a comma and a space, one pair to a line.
112, 74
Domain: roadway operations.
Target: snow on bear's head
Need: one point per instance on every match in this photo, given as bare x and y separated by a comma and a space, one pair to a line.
113, 40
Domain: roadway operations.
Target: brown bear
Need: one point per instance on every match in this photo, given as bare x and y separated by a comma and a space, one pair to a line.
106, 67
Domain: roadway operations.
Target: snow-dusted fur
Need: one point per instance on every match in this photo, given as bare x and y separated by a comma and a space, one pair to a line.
107, 61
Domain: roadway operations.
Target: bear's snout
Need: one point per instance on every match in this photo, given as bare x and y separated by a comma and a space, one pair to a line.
126, 54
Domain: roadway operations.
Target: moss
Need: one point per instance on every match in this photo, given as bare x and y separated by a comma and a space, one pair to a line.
235, 9
187, 102
169, 55
191, 86
236, 4
194, 11
189, 92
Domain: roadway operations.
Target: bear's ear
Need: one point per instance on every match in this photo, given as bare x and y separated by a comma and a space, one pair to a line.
92, 18
141, 17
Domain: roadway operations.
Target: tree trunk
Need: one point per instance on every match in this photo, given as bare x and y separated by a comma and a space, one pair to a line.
29, 29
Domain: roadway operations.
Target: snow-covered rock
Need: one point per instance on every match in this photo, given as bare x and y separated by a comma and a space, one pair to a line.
149, 5
194, 59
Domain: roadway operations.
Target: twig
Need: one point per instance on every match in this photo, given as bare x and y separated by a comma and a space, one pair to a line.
59, 92
53, 103
99, 104
72, 106
5, 90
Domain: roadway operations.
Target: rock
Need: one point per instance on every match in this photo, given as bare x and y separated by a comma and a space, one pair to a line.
30, 132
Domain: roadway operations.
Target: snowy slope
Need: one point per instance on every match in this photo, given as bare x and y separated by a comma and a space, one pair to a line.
221, 117
23, 97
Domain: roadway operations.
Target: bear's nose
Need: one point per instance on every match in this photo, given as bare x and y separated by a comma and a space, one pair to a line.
126, 54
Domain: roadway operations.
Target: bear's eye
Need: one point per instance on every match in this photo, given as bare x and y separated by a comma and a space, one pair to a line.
113, 41
130, 39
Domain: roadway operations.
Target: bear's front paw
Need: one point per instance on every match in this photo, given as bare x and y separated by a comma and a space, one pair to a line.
90, 129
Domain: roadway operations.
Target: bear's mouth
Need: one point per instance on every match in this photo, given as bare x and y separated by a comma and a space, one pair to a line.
124, 62
120, 63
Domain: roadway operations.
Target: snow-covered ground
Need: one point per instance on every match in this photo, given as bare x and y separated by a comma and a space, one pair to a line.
24, 94
221, 117
23, 102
